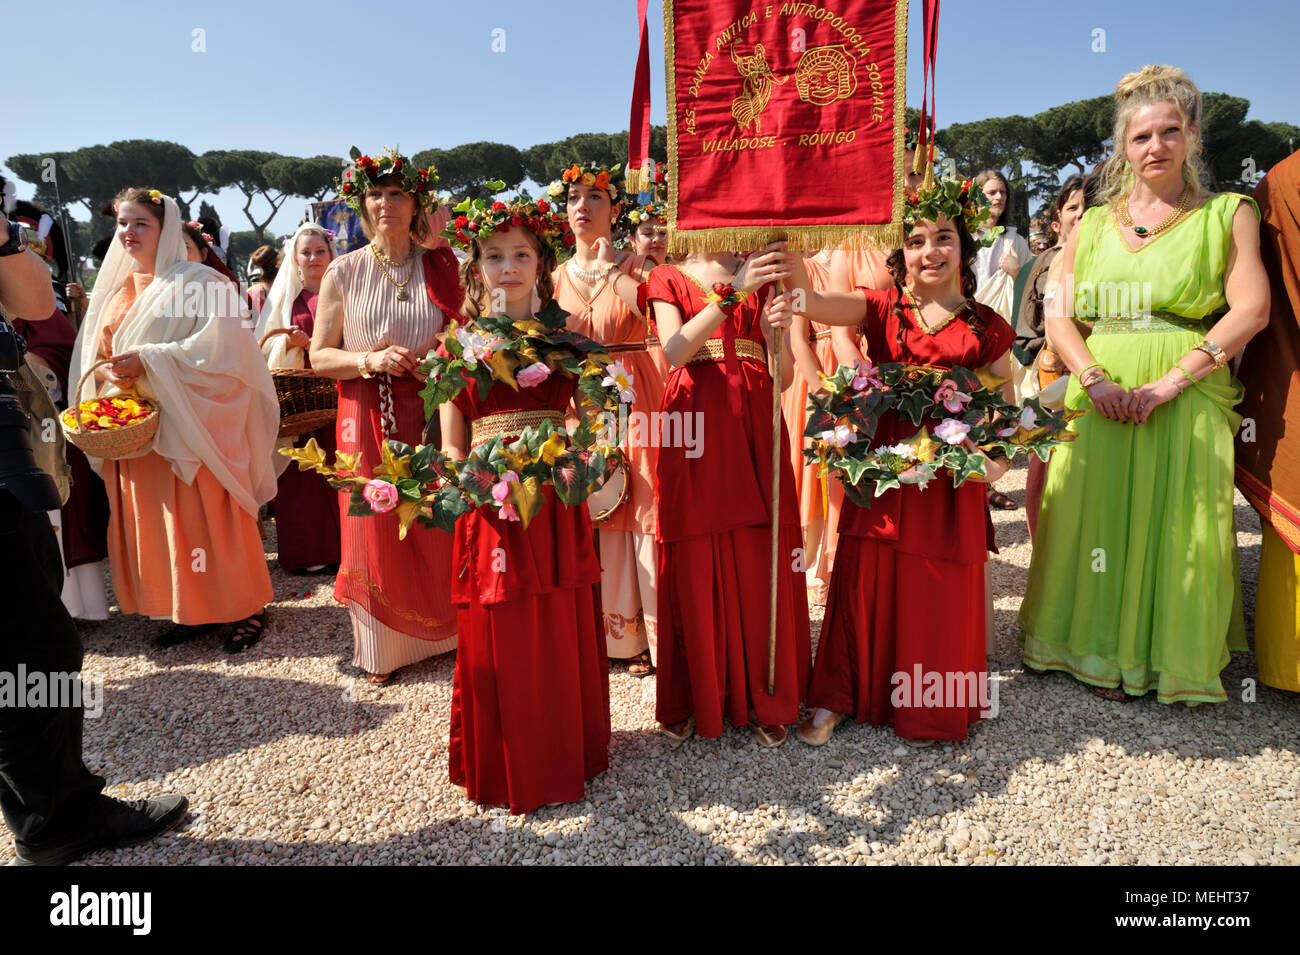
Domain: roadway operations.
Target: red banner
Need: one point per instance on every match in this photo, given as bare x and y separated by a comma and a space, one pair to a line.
785, 121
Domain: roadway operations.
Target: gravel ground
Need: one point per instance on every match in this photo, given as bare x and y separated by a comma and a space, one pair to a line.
288, 760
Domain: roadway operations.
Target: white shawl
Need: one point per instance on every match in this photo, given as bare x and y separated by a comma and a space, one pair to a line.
217, 405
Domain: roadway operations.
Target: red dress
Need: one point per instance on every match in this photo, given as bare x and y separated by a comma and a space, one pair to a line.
530, 699
714, 496
306, 508
907, 593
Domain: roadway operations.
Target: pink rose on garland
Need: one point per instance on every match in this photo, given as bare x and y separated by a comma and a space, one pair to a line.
380, 495
533, 375
952, 431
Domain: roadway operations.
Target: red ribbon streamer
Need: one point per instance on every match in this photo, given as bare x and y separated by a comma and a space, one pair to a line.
638, 125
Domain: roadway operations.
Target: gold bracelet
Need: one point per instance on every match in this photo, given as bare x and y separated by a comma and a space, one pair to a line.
1215, 352
362, 370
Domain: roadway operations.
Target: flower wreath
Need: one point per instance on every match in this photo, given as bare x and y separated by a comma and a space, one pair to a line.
950, 199
842, 421
479, 218
588, 174
365, 170
425, 486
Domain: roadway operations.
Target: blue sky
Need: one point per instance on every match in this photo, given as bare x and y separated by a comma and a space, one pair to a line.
303, 78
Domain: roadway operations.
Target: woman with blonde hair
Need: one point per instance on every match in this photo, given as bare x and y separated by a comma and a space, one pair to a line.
1133, 584
306, 508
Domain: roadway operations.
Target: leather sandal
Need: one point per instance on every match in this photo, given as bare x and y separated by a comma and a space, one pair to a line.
679, 732
183, 633
244, 634
816, 734
640, 666
998, 499
768, 737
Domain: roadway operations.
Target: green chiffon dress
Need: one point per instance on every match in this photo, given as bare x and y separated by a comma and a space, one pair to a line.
1134, 581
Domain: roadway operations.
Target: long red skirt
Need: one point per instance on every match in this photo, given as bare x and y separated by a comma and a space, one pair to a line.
307, 511
713, 630
894, 621
404, 584
530, 699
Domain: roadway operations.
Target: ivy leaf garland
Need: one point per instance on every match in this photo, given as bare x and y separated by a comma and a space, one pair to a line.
423, 485
843, 418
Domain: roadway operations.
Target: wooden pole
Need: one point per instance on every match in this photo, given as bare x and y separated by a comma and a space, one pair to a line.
776, 506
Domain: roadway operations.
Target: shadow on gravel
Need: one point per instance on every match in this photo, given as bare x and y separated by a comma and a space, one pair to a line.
148, 729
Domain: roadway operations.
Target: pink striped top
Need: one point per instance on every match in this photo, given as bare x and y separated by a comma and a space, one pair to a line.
373, 317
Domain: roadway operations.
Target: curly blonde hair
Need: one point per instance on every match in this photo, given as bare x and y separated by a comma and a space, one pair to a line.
1148, 86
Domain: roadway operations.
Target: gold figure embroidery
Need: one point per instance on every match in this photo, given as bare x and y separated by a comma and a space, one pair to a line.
758, 79
825, 74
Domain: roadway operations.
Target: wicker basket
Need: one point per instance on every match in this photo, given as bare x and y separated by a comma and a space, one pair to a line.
307, 401
120, 442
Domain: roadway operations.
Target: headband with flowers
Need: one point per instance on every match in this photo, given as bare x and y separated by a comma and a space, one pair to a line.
949, 198
198, 227
365, 171
479, 218
588, 174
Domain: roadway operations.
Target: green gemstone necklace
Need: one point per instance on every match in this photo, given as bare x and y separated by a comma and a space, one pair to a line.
1169, 220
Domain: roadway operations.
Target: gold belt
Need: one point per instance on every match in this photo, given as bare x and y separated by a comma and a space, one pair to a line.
1154, 323
822, 336
627, 347
711, 350
510, 424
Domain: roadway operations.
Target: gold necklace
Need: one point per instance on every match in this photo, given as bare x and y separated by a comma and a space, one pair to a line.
1142, 231
386, 260
920, 319
380, 258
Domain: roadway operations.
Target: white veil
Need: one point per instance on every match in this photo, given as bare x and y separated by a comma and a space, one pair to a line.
217, 404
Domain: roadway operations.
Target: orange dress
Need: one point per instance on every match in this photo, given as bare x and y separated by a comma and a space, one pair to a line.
818, 515
628, 553
183, 552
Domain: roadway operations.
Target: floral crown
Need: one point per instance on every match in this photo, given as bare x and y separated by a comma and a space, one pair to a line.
364, 172
588, 174
479, 218
951, 199
198, 227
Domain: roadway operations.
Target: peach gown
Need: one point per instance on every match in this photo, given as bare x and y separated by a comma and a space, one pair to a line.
818, 515
629, 556
182, 552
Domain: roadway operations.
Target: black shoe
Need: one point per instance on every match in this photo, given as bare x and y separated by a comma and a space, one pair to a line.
113, 825
183, 633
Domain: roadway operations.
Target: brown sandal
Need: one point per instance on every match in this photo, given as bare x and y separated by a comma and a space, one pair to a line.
998, 499
640, 665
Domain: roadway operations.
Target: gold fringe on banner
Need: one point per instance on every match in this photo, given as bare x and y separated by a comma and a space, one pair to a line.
806, 238
810, 238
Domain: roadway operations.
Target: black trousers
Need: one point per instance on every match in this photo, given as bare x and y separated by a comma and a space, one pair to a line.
46, 791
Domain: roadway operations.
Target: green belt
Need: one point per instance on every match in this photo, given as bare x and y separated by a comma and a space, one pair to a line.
1147, 324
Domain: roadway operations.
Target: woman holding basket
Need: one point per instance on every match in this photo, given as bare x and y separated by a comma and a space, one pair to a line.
183, 538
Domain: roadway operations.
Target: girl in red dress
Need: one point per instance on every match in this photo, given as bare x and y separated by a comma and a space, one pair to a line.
714, 485
907, 597
530, 702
